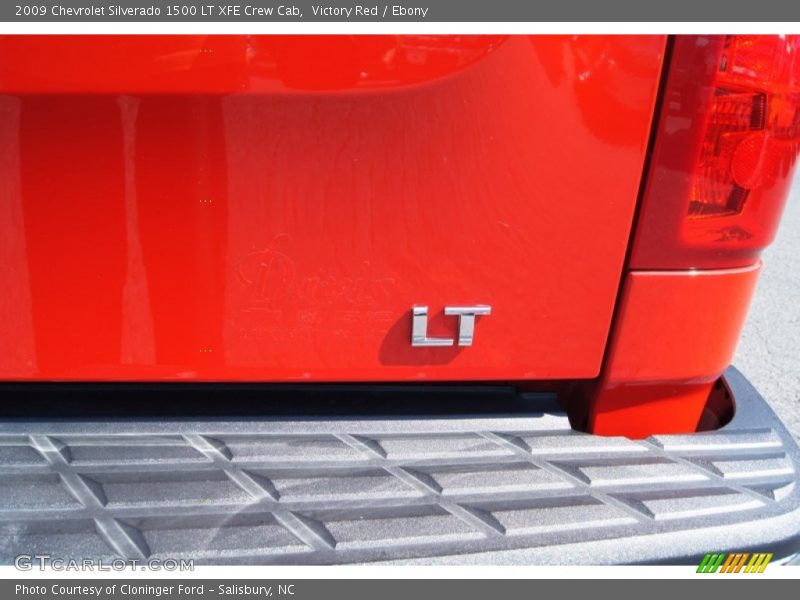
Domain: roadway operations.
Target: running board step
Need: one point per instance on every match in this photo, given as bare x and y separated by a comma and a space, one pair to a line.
518, 489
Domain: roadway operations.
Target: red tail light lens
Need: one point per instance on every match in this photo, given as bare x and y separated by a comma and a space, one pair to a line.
726, 146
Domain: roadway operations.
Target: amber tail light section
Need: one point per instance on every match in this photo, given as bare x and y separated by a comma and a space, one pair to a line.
727, 146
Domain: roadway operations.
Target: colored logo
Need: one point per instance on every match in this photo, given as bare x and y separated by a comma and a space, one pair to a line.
735, 563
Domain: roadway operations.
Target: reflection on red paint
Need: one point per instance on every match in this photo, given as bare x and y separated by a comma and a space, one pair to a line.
248, 231
166, 64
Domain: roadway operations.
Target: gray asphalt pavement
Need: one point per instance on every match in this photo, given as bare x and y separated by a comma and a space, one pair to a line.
769, 349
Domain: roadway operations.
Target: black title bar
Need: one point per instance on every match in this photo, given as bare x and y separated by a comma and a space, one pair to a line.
265, 11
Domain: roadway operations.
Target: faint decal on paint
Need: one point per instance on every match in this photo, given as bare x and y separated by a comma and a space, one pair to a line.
278, 294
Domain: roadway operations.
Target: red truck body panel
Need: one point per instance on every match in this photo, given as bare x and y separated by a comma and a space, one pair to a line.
237, 208
676, 332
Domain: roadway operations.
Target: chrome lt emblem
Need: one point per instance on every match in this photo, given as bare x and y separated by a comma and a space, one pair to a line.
466, 325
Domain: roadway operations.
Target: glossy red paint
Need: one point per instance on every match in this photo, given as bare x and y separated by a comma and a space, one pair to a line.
219, 64
254, 208
675, 334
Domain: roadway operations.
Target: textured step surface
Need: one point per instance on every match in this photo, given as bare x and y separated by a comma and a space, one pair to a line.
335, 491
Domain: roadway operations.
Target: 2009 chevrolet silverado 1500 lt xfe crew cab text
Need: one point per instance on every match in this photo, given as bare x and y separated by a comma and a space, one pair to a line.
277, 299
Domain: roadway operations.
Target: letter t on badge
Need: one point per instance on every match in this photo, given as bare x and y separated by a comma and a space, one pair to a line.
466, 320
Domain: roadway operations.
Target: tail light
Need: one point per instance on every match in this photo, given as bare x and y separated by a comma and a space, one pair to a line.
722, 162
727, 144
